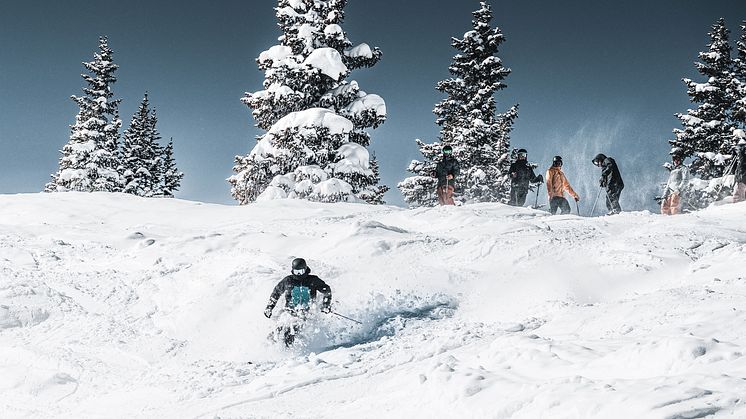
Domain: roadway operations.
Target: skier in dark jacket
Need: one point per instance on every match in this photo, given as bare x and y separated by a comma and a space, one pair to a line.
446, 171
739, 189
300, 289
611, 179
521, 174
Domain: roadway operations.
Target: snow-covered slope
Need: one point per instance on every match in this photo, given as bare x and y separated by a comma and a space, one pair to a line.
116, 306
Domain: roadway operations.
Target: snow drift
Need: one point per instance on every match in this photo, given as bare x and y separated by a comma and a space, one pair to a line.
117, 306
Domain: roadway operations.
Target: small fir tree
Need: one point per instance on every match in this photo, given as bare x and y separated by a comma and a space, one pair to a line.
316, 121
480, 137
171, 176
90, 159
141, 153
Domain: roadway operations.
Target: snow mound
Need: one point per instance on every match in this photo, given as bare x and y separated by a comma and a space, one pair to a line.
276, 55
308, 120
328, 62
368, 103
363, 50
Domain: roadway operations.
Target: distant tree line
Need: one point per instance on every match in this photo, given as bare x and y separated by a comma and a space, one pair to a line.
317, 122
94, 160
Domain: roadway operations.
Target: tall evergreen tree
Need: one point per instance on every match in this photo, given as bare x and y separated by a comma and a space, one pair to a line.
315, 144
469, 122
141, 154
707, 133
89, 160
739, 81
171, 176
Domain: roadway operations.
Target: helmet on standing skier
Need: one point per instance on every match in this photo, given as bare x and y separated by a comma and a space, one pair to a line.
557, 161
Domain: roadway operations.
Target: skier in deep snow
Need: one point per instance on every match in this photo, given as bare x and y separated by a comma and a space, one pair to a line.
557, 185
301, 289
521, 174
611, 180
739, 189
678, 179
446, 171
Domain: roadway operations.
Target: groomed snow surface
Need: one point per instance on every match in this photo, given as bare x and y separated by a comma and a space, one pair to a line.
114, 306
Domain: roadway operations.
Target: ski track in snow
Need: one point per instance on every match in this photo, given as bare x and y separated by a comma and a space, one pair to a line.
117, 306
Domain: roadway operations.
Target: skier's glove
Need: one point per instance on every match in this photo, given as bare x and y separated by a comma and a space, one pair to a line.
539, 179
268, 312
326, 309
602, 183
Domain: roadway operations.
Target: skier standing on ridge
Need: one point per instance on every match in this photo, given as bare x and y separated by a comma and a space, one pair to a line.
521, 174
676, 185
446, 172
557, 185
611, 179
739, 189
300, 290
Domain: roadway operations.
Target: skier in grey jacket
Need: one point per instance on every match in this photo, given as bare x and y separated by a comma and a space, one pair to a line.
678, 180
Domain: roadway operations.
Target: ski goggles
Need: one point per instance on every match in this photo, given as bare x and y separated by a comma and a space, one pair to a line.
447, 151
522, 155
299, 272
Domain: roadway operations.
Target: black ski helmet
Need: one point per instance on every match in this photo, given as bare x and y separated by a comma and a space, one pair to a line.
557, 161
677, 154
599, 159
299, 264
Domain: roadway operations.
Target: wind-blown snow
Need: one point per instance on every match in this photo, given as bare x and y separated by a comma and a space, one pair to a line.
118, 306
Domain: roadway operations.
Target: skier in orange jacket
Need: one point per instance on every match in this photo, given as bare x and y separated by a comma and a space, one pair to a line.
557, 185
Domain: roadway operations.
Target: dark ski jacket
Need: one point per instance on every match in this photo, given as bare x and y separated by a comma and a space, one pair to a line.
299, 287
611, 179
521, 173
741, 164
448, 166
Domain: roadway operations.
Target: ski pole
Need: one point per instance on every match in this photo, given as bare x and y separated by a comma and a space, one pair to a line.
536, 201
577, 207
345, 317
595, 202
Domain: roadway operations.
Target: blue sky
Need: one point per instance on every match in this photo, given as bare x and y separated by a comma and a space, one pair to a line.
590, 76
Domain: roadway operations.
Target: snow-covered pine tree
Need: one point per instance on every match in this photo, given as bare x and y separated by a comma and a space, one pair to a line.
739, 81
469, 122
141, 154
707, 133
90, 160
315, 144
156, 164
171, 176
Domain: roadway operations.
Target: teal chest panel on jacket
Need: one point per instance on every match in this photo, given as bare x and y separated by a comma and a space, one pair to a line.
300, 296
